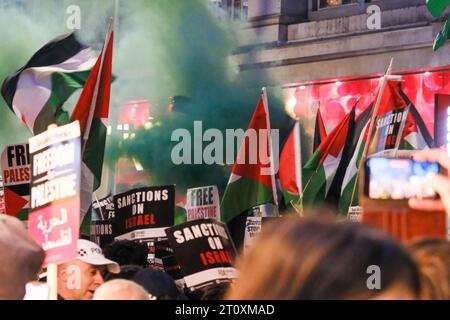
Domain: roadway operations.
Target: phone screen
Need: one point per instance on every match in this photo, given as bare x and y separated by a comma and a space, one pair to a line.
399, 178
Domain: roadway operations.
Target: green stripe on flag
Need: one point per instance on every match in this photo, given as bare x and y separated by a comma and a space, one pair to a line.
95, 150
63, 86
242, 195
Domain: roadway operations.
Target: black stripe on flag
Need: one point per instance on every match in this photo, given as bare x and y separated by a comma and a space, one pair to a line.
20, 189
56, 51
418, 119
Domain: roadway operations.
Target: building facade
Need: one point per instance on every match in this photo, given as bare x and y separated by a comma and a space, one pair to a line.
307, 40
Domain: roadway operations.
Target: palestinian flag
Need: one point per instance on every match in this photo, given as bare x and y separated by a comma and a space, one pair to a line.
320, 132
252, 180
415, 135
320, 170
37, 91
290, 167
355, 152
92, 111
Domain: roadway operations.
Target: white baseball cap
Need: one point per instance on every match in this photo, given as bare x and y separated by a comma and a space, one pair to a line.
91, 253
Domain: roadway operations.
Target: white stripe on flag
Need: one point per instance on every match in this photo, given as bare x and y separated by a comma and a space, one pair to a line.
34, 86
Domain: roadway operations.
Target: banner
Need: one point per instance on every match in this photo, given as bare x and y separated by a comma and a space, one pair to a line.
16, 179
203, 203
54, 220
144, 213
204, 251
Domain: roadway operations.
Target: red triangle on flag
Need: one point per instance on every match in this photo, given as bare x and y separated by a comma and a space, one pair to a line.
13, 202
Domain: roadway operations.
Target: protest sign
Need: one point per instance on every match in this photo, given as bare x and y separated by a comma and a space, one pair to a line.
203, 203
16, 179
55, 187
144, 213
103, 209
102, 232
205, 252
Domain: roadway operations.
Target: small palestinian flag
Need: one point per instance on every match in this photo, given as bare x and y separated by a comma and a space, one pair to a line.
320, 170
320, 133
37, 92
290, 168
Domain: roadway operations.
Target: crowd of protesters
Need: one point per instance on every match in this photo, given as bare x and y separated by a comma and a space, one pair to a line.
294, 258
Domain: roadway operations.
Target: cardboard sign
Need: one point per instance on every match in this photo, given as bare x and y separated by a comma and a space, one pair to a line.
253, 227
264, 210
144, 213
203, 203
103, 209
102, 232
389, 128
16, 179
354, 213
204, 251
54, 220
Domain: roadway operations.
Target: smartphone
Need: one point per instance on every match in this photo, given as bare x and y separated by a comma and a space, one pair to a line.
398, 178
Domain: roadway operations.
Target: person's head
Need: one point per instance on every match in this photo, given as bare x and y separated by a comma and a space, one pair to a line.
215, 292
127, 272
79, 278
120, 289
20, 258
126, 252
158, 284
296, 258
432, 256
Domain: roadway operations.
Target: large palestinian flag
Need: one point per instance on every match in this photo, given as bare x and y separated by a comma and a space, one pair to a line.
290, 167
37, 91
252, 180
320, 170
92, 111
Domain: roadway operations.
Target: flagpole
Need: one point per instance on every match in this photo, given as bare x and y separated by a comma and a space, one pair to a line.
269, 133
385, 79
100, 208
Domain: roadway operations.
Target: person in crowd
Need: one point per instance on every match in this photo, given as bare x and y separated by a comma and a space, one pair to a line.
439, 183
127, 272
215, 292
120, 289
432, 256
126, 252
305, 258
21, 258
158, 284
79, 278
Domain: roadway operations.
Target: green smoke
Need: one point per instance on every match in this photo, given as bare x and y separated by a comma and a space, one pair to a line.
162, 49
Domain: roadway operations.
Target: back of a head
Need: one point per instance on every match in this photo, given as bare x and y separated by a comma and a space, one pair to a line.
120, 289
126, 252
127, 272
158, 284
432, 257
20, 258
298, 258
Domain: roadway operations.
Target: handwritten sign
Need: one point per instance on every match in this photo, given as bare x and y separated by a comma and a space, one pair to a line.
203, 203
16, 179
55, 187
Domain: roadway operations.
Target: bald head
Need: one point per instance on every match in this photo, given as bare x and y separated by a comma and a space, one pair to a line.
120, 289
